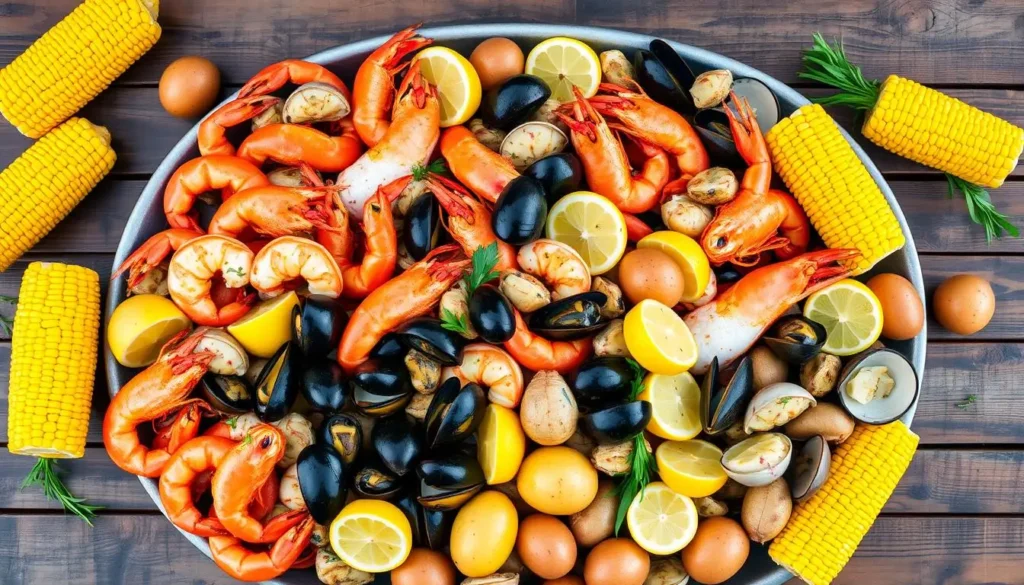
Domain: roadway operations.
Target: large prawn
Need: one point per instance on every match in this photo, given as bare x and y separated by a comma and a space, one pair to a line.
291, 144
537, 353
469, 221
479, 168
191, 274
229, 174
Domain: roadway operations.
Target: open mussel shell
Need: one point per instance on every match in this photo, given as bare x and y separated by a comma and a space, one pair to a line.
323, 385
389, 348
430, 528
759, 460
713, 128
317, 325
227, 394
380, 388
570, 318
762, 100
667, 82
398, 441
618, 423
322, 481
422, 226
375, 482
343, 433
520, 211
602, 382
454, 413
880, 411
559, 174
428, 336
278, 384
775, 405
796, 339
722, 406
491, 314
810, 468
449, 482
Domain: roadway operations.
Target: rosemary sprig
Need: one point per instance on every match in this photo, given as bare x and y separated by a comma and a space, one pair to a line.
485, 258
967, 402
436, 166
642, 464
453, 322
827, 63
981, 209
7, 323
44, 474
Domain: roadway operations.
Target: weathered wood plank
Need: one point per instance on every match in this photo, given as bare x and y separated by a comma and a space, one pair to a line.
1004, 272
94, 477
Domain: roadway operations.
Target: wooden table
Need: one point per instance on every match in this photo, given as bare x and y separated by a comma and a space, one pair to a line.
958, 515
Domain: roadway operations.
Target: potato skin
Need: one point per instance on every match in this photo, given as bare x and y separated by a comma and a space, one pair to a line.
825, 419
766, 510
548, 411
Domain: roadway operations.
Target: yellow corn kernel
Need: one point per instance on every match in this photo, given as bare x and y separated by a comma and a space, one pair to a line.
74, 61
53, 360
834, 187
47, 181
942, 132
824, 531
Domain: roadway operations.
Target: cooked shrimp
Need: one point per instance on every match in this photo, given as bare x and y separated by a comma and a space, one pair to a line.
213, 129
469, 221
182, 472
559, 266
537, 353
191, 273
272, 211
229, 174
492, 368
289, 258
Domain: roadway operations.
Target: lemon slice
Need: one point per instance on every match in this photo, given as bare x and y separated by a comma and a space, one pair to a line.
140, 326
562, 63
660, 520
675, 402
688, 255
268, 326
658, 339
850, 313
501, 444
372, 536
692, 468
458, 85
590, 224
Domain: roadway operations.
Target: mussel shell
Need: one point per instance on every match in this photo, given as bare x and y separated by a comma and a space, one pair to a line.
603, 382
323, 385
491, 314
796, 339
448, 482
344, 434
559, 174
375, 482
762, 100
520, 212
388, 348
514, 101
278, 384
675, 64
617, 423
398, 441
721, 407
727, 274
661, 83
227, 394
713, 128
428, 336
454, 413
573, 317
422, 226
322, 481
430, 528
317, 325
381, 387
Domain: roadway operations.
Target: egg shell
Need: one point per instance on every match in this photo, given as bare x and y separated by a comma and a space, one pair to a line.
617, 561
557, 480
964, 304
717, 551
495, 60
902, 309
484, 534
189, 86
424, 567
651, 274
546, 546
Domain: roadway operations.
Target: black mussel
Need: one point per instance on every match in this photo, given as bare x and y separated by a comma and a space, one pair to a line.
322, 481
430, 528
317, 325
570, 318
618, 423
520, 212
454, 413
422, 226
603, 382
227, 394
278, 384
514, 101
398, 441
796, 339
381, 387
449, 482
559, 174
375, 482
727, 274
762, 100
491, 314
342, 432
323, 385
661, 84
723, 405
675, 64
388, 348
713, 128
428, 336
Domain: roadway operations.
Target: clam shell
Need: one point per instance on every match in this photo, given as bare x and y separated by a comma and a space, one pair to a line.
810, 468
759, 460
775, 405
881, 411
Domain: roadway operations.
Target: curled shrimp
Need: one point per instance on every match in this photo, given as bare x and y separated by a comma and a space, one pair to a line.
289, 258
479, 168
229, 174
537, 353
272, 211
241, 562
174, 431
151, 253
213, 129
469, 221
556, 264
191, 274
291, 144
182, 471
492, 368
273, 77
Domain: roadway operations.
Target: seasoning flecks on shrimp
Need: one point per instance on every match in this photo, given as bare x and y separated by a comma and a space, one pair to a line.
491, 368
152, 252
192, 270
287, 259
558, 265
292, 144
469, 221
272, 211
480, 169
229, 174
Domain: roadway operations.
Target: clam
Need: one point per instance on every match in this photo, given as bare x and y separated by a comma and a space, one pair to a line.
323, 385
388, 348
686, 216
376, 483
426, 334
610, 341
278, 384
721, 406
882, 408
663, 75
422, 226
317, 325
227, 394
380, 388
559, 174
287, 177
796, 339
454, 413
531, 141
514, 101
344, 433
759, 460
525, 291
315, 102
272, 115
449, 482
714, 186
618, 423
616, 68
298, 434
322, 481
491, 314
775, 405
231, 360
570, 318
489, 137
521, 209
398, 442
602, 382
710, 88
810, 468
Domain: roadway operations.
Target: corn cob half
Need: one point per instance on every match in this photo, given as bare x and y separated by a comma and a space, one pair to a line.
833, 186
74, 61
47, 181
823, 532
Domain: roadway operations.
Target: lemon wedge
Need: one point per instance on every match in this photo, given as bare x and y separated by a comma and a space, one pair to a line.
563, 63
372, 536
850, 313
140, 326
658, 339
590, 224
501, 444
692, 468
267, 326
457, 82
675, 403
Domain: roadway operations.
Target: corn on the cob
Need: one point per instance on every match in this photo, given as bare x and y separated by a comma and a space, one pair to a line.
823, 532
74, 61
834, 187
47, 181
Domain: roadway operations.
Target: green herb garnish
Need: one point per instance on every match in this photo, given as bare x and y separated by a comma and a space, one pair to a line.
44, 474
453, 322
967, 402
436, 166
7, 323
231, 422
236, 271
981, 210
485, 258
642, 464
248, 439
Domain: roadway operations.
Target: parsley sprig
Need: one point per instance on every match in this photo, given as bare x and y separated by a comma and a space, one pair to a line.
453, 322
485, 258
642, 464
436, 166
967, 402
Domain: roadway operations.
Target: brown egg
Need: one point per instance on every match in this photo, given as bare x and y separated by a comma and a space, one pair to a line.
189, 87
567, 580
902, 309
651, 274
964, 303
424, 567
617, 561
546, 546
495, 60
717, 551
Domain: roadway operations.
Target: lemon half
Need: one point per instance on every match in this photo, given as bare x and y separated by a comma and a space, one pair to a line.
660, 520
850, 313
372, 536
658, 339
457, 82
563, 63
140, 326
590, 224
